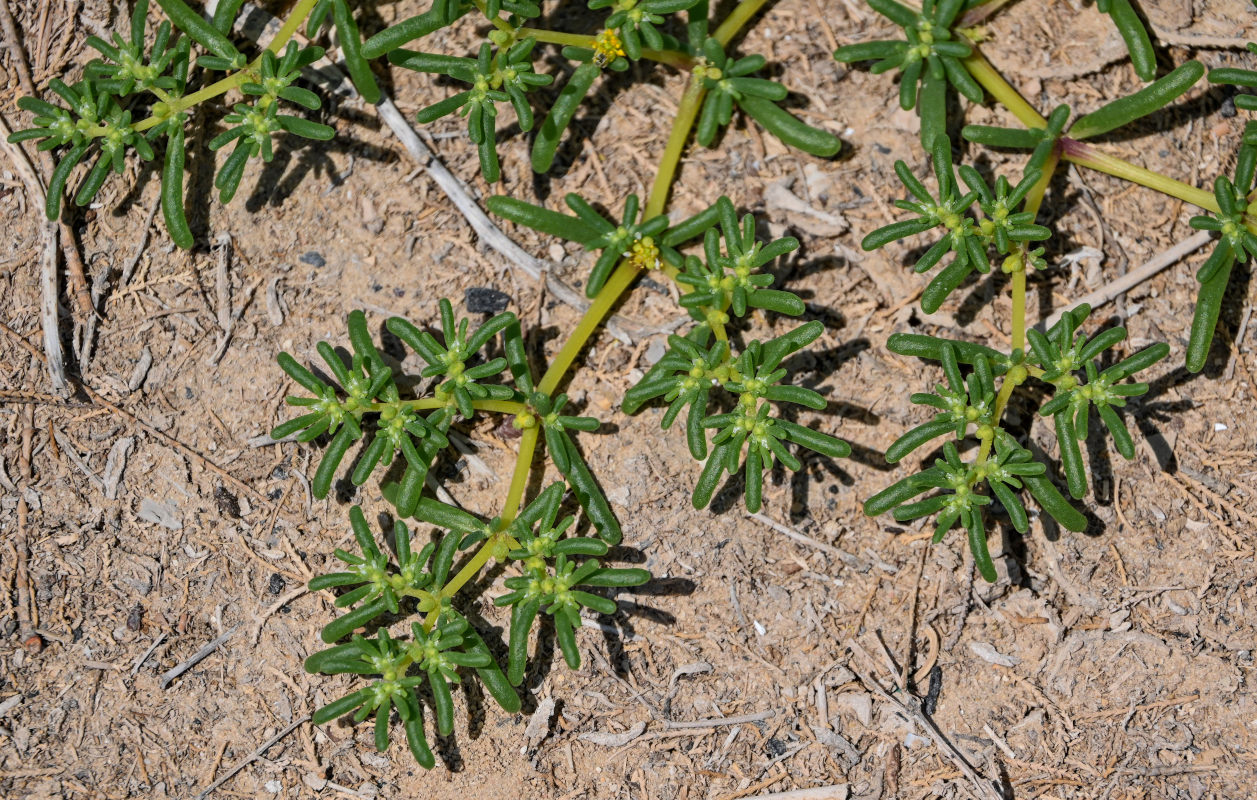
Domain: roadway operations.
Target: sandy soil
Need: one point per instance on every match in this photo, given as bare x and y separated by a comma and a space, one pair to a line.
1117, 663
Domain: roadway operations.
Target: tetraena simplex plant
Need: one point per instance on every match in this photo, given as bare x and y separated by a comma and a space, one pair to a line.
136, 97
714, 256
731, 393
556, 575
974, 220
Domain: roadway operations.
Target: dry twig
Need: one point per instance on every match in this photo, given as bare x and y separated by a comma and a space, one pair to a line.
196, 658
1120, 286
911, 706
254, 756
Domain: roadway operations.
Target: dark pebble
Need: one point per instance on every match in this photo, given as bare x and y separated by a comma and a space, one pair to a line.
775, 747
313, 259
481, 300
933, 692
1228, 107
228, 504
135, 620
881, 148
276, 584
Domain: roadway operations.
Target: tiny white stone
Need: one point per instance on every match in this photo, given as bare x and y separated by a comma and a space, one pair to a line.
1218, 426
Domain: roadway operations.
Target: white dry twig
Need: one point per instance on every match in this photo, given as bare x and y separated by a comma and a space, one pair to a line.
1130, 280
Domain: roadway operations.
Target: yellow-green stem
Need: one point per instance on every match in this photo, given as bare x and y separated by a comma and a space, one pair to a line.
1079, 153
736, 20
290, 26
519, 478
1019, 314
429, 403
1002, 90
687, 112
623, 275
1084, 155
482, 556
1034, 200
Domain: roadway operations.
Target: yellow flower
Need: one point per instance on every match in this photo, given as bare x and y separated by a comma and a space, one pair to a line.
644, 254
607, 47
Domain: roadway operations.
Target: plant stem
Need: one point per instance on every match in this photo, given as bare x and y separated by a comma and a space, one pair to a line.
298, 16
428, 403
687, 112
1002, 90
1019, 314
979, 13
1077, 152
1034, 200
519, 478
736, 20
1085, 155
626, 271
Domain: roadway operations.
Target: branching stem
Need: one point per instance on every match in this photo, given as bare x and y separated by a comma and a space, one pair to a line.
430, 403
622, 277
1080, 153
1015, 377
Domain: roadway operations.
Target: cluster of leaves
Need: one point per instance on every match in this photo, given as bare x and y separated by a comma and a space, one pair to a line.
971, 223
985, 218
363, 399
633, 238
1064, 361
731, 393
139, 94
558, 576
975, 221
505, 71
728, 83
932, 54
929, 57
135, 99
726, 280
1235, 221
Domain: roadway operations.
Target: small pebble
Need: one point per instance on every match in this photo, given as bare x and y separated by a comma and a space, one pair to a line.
655, 351
228, 504
313, 258
482, 300
276, 584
